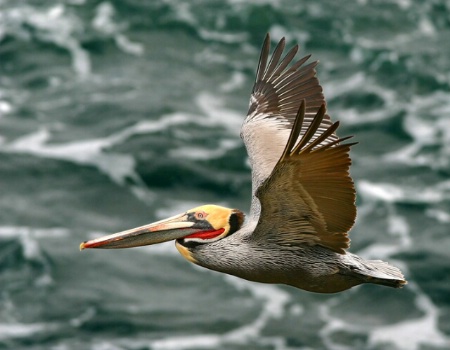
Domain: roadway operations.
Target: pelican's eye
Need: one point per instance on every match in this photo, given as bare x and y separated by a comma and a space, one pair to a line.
200, 215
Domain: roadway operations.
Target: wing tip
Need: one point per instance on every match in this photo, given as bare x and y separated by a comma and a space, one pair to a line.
273, 77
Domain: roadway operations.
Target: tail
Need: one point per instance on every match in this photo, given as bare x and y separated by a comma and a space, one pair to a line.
376, 272
380, 272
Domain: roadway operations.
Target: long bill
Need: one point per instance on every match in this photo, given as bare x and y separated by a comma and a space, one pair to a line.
161, 231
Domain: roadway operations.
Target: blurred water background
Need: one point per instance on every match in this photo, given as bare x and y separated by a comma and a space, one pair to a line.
117, 113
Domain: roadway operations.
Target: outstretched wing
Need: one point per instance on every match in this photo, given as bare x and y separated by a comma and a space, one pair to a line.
274, 103
309, 198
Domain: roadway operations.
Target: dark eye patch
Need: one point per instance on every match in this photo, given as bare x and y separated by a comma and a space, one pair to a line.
199, 223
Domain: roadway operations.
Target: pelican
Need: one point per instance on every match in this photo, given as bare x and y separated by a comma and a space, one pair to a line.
303, 198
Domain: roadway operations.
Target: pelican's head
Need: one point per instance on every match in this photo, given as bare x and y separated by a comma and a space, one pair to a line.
200, 225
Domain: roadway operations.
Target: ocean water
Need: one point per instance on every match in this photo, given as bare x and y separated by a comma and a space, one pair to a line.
114, 114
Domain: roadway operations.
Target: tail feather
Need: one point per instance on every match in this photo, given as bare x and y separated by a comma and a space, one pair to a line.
380, 272
374, 271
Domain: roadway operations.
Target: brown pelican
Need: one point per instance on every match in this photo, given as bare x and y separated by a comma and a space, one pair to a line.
303, 198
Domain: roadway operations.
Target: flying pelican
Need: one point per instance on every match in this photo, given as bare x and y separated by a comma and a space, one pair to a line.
303, 198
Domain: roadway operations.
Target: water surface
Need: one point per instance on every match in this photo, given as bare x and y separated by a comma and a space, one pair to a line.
114, 114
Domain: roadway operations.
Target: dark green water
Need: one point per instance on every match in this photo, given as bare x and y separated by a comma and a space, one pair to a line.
114, 114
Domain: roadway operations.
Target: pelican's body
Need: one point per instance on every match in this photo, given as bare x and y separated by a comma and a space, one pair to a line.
312, 268
303, 198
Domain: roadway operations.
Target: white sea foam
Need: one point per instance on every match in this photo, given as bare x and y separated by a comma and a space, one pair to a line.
222, 36
398, 193
204, 341
76, 2
214, 108
398, 226
278, 31
439, 215
408, 334
5, 107
412, 334
237, 80
118, 167
214, 114
428, 124
274, 303
182, 11
104, 23
121, 167
61, 26
87, 315
25, 231
106, 345
29, 241
55, 25
23, 330
201, 153
355, 83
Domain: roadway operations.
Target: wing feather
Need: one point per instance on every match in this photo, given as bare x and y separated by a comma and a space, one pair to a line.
309, 198
275, 59
295, 132
279, 88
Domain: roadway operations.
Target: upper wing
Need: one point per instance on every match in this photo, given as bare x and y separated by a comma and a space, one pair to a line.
309, 198
274, 103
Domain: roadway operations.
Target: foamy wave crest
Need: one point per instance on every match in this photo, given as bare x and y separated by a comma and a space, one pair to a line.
61, 26
274, 302
23, 330
409, 333
413, 334
213, 107
356, 83
56, 25
119, 167
428, 124
28, 238
104, 23
398, 193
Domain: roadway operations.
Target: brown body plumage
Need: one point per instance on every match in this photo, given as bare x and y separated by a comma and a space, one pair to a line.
303, 198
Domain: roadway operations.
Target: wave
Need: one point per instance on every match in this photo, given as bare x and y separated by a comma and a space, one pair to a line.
64, 27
